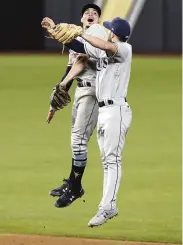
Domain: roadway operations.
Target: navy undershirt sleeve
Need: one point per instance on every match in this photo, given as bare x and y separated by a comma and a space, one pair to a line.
76, 46
66, 72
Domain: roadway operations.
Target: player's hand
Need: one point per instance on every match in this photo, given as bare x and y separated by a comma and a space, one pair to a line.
64, 32
47, 23
51, 114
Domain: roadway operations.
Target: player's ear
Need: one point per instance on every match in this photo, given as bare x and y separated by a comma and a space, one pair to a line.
82, 20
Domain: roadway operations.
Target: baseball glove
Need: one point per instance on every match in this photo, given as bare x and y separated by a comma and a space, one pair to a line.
60, 98
64, 32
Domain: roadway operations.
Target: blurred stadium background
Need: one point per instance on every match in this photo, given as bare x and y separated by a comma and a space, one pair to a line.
34, 156
158, 28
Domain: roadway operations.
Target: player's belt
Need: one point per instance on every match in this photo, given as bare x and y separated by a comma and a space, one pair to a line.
107, 102
83, 83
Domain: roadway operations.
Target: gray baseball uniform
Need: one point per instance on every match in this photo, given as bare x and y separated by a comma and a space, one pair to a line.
115, 115
85, 108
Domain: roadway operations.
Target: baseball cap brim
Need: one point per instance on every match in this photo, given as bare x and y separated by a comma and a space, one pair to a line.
108, 25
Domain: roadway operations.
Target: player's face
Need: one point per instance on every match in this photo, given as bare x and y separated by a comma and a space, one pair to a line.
90, 17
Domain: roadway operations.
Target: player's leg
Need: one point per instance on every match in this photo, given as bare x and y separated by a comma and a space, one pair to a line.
114, 139
83, 127
100, 139
115, 129
85, 122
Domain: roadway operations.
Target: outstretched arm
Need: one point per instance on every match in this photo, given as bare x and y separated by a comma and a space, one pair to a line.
99, 43
77, 67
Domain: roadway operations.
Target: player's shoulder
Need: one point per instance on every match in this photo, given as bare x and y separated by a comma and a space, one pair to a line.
124, 46
97, 27
97, 30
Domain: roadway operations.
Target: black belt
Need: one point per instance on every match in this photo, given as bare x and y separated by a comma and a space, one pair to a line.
82, 83
109, 102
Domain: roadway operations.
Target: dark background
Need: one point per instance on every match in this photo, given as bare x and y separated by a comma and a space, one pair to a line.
159, 27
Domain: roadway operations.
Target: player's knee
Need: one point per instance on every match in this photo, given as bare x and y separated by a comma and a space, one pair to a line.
113, 159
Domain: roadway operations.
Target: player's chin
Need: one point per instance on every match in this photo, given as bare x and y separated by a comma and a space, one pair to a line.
90, 23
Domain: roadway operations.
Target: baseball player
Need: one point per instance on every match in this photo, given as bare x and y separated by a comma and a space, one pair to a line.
84, 114
115, 115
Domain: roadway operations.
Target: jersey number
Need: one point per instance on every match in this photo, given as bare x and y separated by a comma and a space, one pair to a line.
102, 64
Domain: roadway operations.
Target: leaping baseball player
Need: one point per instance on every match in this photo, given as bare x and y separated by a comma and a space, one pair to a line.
84, 112
115, 115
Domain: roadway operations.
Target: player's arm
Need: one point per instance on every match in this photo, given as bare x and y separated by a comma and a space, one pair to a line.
76, 69
49, 23
71, 72
95, 31
76, 46
72, 57
69, 83
99, 43
52, 111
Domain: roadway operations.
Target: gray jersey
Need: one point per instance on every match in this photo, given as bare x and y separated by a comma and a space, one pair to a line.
89, 72
113, 73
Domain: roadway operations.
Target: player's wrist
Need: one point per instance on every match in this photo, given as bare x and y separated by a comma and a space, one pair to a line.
63, 84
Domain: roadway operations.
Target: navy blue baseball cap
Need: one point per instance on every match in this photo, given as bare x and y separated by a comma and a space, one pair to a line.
120, 27
91, 5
